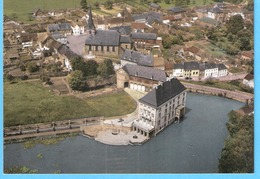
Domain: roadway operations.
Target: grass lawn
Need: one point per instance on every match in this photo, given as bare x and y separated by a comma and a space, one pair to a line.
24, 8
30, 102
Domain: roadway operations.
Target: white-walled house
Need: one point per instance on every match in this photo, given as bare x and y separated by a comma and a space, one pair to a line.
77, 29
159, 108
211, 70
222, 70
178, 70
249, 80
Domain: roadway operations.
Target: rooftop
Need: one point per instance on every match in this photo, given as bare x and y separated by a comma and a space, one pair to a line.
163, 93
145, 72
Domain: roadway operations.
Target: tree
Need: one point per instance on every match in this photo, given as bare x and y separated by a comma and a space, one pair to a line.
235, 24
79, 64
32, 67
108, 4
244, 37
231, 50
91, 66
167, 41
76, 80
84, 4
237, 156
106, 68
167, 1
45, 79
96, 4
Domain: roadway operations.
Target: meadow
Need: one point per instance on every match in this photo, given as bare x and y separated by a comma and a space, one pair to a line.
31, 102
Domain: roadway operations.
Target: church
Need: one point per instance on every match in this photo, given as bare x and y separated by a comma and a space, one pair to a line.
105, 42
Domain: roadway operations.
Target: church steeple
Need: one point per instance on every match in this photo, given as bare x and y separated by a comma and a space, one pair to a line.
90, 25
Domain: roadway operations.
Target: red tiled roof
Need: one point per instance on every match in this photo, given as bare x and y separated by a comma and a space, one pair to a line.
247, 54
192, 49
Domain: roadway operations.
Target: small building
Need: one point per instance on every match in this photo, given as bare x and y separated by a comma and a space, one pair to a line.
177, 10
159, 108
246, 110
63, 28
139, 78
249, 80
247, 55
145, 40
154, 6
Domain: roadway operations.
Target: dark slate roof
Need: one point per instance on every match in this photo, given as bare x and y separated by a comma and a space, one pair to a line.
210, 65
57, 27
249, 77
123, 30
145, 72
146, 36
154, 5
65, 50
104, 37
64, 26
191, 66
216, 10
151, 15
138, 58
53, 27
178, 66
125, 39
57, 35
221, 67
176, 9
163, 93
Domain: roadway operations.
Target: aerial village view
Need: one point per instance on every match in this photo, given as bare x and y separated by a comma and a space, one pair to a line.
128, 86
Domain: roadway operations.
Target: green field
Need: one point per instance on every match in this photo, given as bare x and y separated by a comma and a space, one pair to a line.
30, 102
24, 8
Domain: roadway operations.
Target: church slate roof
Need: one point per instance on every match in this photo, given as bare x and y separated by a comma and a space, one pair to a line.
162, 93
104, 37
145, 72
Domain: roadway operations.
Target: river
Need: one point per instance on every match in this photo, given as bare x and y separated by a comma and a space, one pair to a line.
193, 146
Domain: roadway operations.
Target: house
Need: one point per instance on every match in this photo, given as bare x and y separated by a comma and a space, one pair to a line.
145, 40
78, 28
139, 78
63, 28
246, 110
186, 69
191, 69
177, 10
246, 55
160, 107
210, 70
249, 80
194, 52
154, 7
59, 37
136, 58
222, 70
123, 30
215, 13
138, 27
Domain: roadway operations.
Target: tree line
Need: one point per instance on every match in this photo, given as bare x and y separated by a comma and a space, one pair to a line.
237, 156
234, 36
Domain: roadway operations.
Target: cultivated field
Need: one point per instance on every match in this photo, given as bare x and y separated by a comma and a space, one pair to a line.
30, 102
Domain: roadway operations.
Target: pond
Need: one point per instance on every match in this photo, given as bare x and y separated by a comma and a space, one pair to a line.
193, 146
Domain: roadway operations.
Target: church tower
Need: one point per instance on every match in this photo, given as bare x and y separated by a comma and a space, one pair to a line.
90, 24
